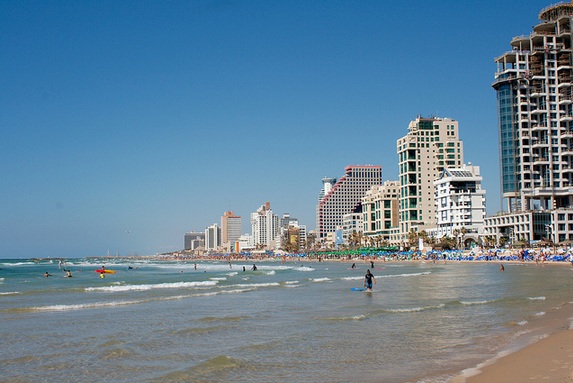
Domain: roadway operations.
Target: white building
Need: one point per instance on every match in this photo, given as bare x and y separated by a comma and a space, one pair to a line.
460, 203
246, 242
265, 226
212, 237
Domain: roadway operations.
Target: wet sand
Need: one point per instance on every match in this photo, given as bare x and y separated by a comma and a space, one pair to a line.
549, 359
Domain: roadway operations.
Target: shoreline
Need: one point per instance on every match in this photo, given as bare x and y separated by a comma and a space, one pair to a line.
548, 357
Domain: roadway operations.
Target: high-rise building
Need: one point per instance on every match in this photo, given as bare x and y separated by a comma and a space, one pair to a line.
212, 237
460, 203
265, 226
534, 87
431, 145
380, 210
344, 197
231, 229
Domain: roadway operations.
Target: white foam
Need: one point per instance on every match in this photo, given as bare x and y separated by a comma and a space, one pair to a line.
470, 303
252, 285
320, 279
536, 298
351, 278
177, 285
405, 275
541, 313
84, 306
416, 309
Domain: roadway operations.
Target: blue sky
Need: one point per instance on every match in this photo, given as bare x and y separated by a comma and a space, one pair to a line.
125, 124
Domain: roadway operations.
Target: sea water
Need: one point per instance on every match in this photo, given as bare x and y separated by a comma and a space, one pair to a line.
169, 321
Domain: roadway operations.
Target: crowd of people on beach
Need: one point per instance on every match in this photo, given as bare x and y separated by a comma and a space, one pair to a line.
539, 255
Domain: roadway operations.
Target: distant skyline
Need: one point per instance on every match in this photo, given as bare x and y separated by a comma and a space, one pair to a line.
126, 124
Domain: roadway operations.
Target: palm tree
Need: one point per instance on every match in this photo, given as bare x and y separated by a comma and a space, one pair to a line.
412, 238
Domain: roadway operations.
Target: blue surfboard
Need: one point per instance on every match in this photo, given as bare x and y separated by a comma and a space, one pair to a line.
357, 288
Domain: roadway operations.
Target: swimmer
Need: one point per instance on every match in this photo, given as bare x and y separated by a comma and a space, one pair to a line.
368, 279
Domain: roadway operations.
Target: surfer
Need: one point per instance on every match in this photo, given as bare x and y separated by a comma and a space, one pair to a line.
353, 266
254, 267
368, 279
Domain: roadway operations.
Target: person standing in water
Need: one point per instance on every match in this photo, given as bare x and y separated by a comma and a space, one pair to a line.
368, 280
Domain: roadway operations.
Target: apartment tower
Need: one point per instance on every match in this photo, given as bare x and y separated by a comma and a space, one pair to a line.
431, 145
344, 196
231, 229
534, 85
265, 226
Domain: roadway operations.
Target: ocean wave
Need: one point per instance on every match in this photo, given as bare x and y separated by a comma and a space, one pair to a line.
351, 278
415, 309
253, 285
81, 306
520, 323
320, 279
176, 285
347, 318
542, 298
11, 293
218, 279
479, 302
405, 275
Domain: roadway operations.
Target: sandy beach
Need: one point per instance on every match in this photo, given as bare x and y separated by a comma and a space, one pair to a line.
550, 359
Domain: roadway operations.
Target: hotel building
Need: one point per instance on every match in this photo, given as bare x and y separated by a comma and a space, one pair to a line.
231, 229
460, 203
265, 226
431, 145
344, 197
534, 87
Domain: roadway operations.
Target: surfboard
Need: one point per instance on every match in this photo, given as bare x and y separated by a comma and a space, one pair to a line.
358, 289
105, 271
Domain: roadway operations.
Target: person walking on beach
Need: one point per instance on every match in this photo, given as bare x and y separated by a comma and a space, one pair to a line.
368, 279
